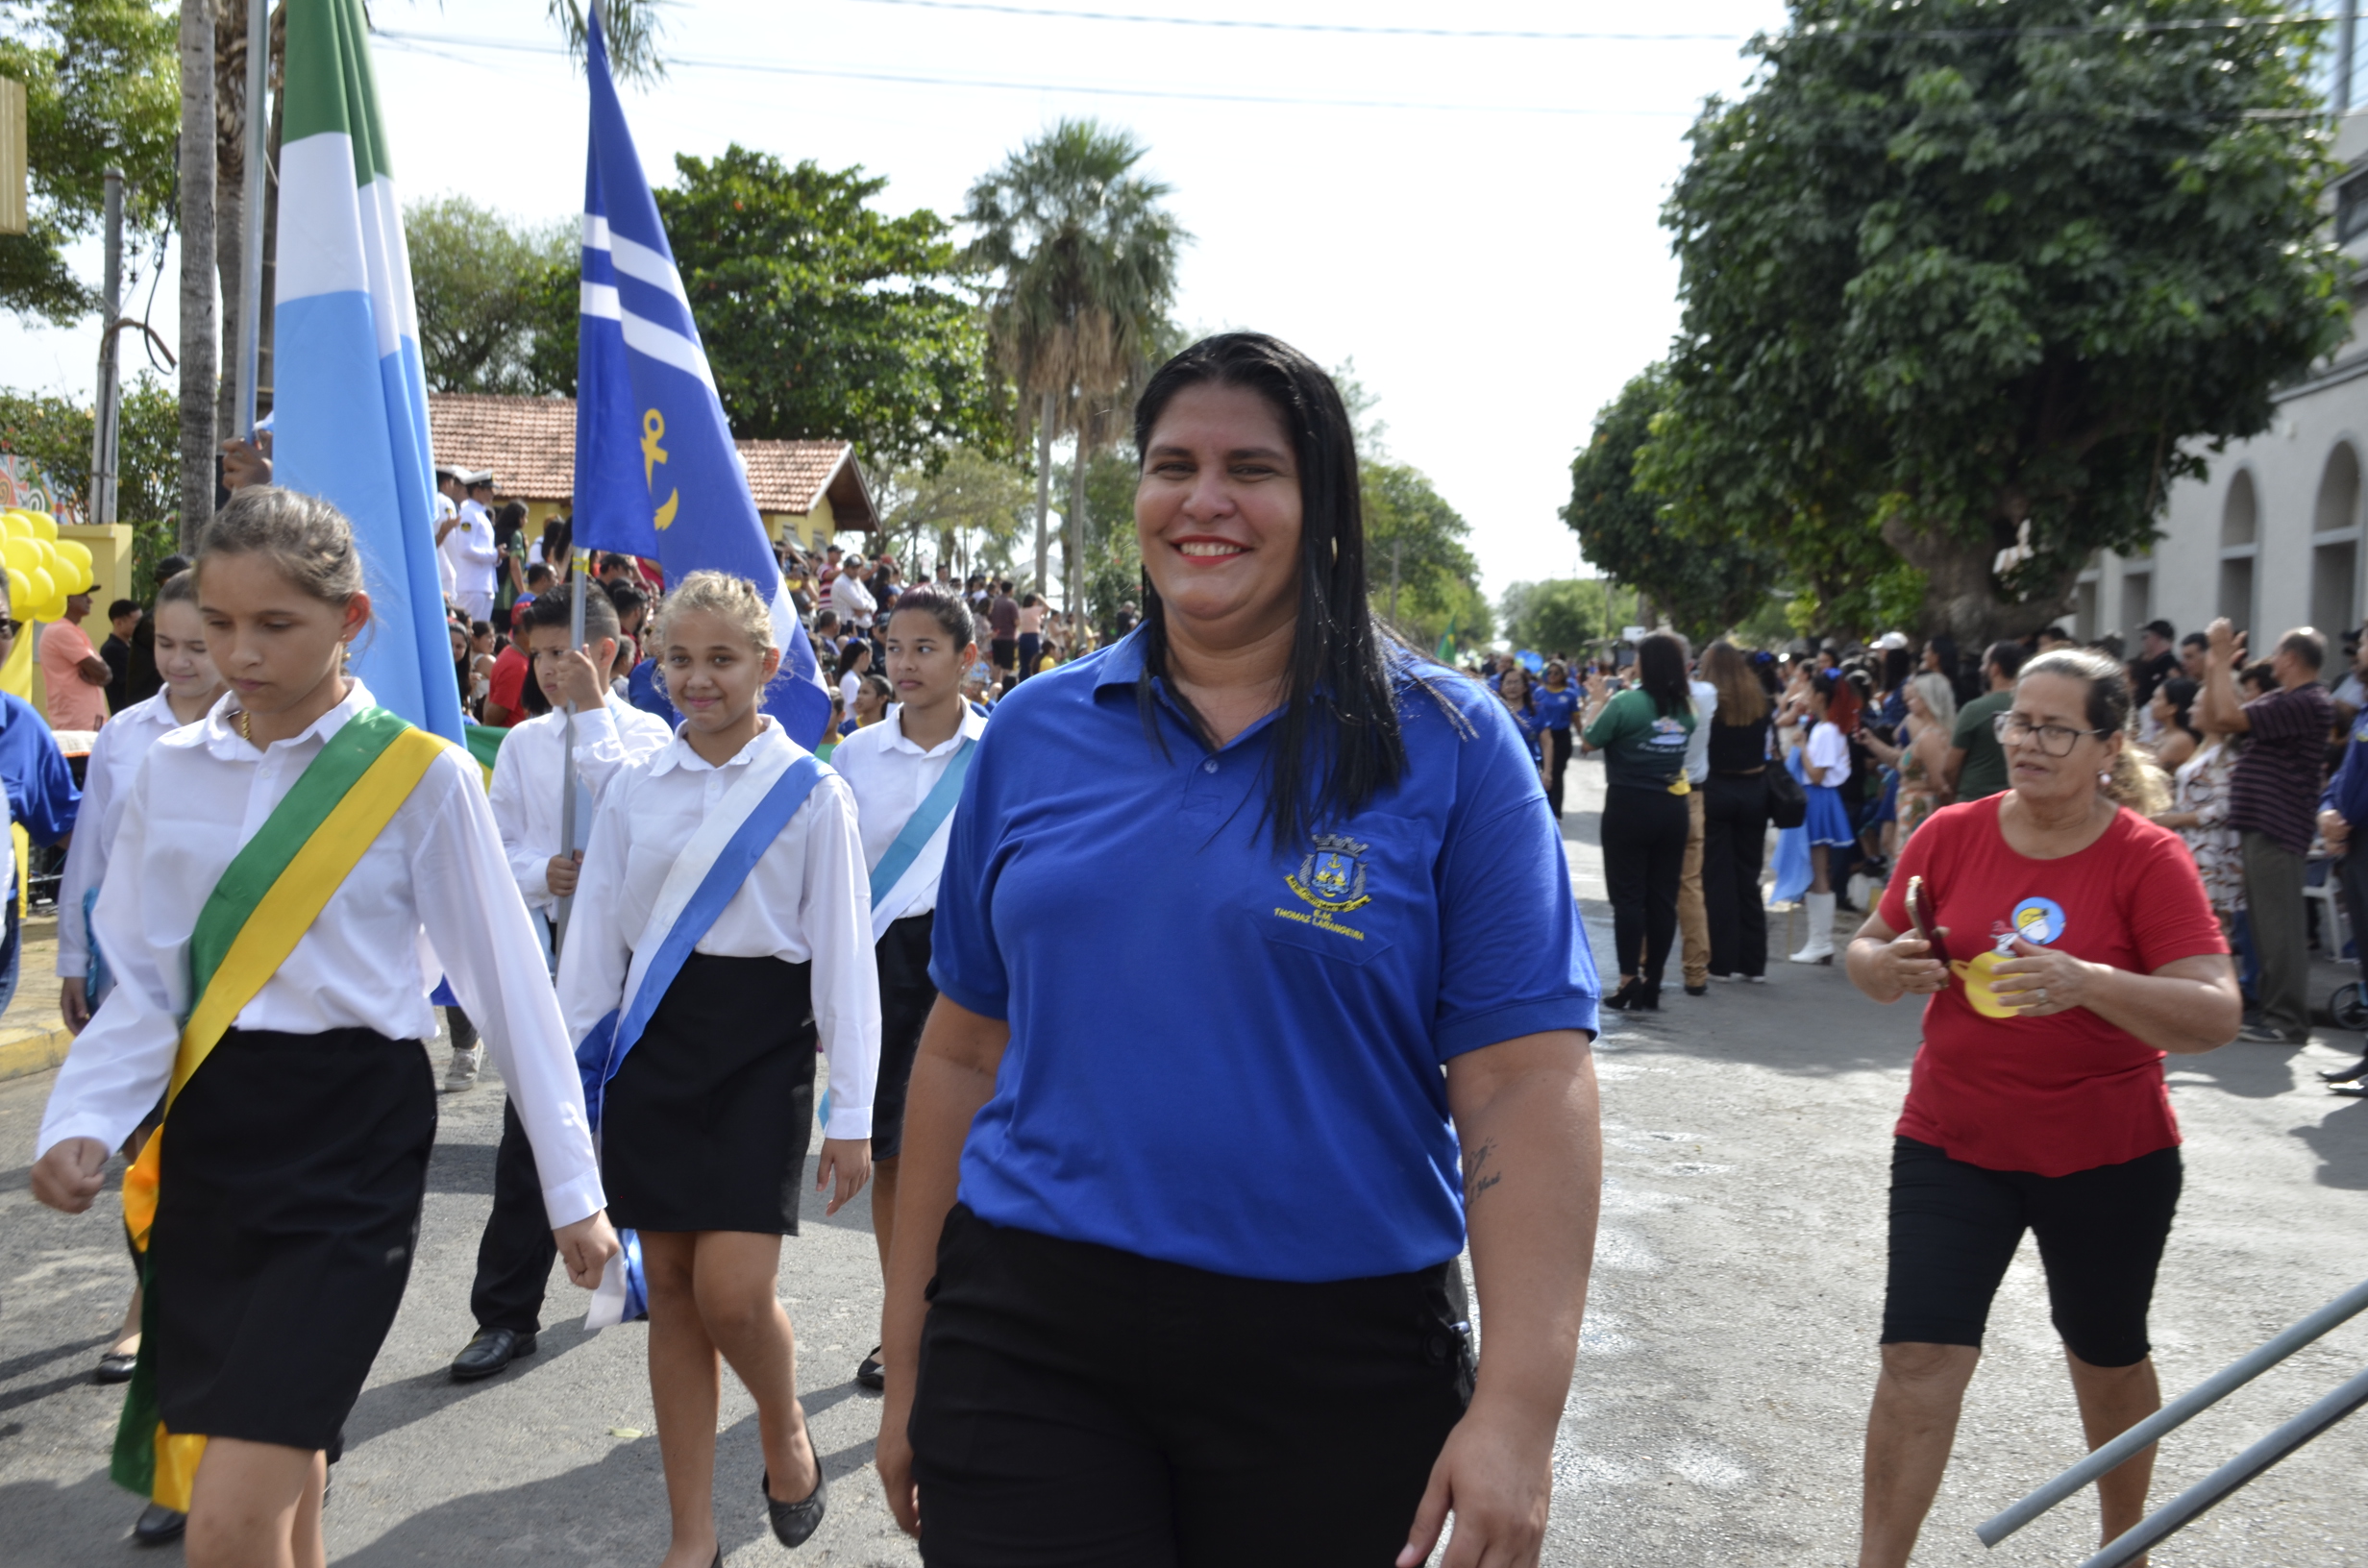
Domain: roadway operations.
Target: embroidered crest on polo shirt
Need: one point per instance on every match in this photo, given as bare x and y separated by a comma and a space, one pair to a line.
1331, 877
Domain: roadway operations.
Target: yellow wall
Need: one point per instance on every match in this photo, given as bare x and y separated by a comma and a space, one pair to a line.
110, 563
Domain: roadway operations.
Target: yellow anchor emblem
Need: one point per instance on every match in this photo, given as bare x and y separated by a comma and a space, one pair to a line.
653, 427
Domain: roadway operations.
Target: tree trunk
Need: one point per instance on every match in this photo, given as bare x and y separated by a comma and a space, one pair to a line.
1043, 488
1960, 594
1075, 597
230, 203
198, 343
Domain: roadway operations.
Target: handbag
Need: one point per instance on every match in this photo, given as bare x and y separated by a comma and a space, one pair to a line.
1788, 803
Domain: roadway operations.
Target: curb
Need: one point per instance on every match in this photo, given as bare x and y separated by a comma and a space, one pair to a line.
25, 1052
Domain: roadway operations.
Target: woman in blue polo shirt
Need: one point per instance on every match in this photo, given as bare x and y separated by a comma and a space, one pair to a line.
1229, 1051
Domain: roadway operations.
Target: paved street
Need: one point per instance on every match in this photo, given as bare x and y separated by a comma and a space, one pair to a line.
1715, 1417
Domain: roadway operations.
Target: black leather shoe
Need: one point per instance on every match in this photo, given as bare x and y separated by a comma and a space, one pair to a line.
114, 1368
2350, 1075
491, 1351
157, 1524
793, 1523
870, 1374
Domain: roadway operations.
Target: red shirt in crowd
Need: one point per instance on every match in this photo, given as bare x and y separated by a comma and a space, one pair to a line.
2069, 1091
507, 686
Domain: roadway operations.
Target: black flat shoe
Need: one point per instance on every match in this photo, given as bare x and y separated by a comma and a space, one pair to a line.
2350, 1075
870, 1374
793, 1523
159, 1525
115, 1368
489, 1353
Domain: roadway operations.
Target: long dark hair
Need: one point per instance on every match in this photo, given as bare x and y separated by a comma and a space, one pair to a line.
1660, 670
1338, 739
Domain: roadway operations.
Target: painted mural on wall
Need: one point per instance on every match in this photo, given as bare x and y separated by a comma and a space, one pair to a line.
21, 485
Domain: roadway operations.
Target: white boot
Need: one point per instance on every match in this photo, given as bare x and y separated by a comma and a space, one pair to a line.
1819, 948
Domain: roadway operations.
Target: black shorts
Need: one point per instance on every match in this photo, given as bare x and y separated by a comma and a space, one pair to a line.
1087, 1407
906, 994
1955, 1227
1003, 651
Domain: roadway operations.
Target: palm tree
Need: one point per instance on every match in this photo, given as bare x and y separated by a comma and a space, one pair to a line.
1088, 262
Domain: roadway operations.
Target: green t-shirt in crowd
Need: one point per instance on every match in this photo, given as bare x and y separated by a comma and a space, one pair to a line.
1640, 747
1985, 763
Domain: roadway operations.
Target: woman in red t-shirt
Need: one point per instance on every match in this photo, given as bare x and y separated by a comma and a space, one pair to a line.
2080, 948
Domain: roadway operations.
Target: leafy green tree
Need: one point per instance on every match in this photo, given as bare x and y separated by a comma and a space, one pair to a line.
1417, 564
968, 506
102, 89
1972, 293
54, 433
1561, 614
480, 283
1701, 586
1086, 259
825, 318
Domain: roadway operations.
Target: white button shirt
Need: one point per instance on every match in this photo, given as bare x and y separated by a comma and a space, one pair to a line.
852, 599
445, 576
807, 900
525, 792
891, 776
115, 763
203, 793
471, 550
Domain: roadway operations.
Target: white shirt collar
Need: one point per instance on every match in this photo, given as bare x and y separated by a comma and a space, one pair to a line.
973, 726
679, 753
223, 739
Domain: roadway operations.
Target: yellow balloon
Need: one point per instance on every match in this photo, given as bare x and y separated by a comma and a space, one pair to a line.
43, 589
20, 591
17, 523
80, 577
44, 525
75, 551
20, 554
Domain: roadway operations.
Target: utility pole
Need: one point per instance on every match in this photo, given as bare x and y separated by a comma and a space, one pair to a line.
103, 428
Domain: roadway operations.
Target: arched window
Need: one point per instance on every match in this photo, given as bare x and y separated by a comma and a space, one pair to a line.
2334, 551
2240, 526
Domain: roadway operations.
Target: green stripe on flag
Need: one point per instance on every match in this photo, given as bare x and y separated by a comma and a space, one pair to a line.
331, 89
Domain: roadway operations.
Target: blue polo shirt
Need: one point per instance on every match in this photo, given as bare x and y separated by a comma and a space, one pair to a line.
1223, 1053
40, 782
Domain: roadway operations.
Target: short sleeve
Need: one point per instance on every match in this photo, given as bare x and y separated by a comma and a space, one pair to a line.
965, 962
1969, 720
1613, 722
2169, 914
507, 684
1827, 750
1502, 868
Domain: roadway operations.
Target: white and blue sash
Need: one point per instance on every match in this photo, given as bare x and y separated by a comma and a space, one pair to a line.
894, 881
703, 879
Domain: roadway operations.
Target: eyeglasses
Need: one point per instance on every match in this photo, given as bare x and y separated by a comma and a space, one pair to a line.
9, 626
2053, 740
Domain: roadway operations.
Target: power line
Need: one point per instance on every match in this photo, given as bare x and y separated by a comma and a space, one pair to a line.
436, 45
2192, 24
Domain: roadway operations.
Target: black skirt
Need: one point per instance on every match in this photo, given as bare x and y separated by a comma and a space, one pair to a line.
705, 1126
906, 994
293, 1171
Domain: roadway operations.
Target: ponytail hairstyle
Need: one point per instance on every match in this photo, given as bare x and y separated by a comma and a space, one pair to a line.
306, 540
1338, 741
2136, 782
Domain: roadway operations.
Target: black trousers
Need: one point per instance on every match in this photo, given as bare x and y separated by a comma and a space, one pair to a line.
515, 1254
2351, 880
1734, 838
1644, 833
1080, 1406
1556, 762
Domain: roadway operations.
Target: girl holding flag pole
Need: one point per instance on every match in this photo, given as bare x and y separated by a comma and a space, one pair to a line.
721, 918
906, 773
280, 862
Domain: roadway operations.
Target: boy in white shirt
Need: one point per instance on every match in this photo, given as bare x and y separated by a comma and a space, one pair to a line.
514, 1259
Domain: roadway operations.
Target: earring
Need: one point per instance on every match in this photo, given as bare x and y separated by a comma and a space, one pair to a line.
2105, 778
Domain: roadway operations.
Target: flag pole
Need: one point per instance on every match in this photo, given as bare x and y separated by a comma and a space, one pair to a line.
251, 216
567, 743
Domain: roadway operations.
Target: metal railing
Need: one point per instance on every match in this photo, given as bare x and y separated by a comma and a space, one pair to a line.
2192, 1503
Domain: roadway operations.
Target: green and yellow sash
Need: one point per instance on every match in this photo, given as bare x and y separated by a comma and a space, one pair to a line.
265, 904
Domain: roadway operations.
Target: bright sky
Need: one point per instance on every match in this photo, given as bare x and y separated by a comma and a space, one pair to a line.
1486, 248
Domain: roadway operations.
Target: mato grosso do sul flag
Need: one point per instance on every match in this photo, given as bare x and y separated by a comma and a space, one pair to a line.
349, 406
656, 473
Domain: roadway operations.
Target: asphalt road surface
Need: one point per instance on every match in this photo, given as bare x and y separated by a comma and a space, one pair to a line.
1715, 1417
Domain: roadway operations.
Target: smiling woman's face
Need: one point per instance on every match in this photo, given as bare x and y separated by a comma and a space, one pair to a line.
1217, 513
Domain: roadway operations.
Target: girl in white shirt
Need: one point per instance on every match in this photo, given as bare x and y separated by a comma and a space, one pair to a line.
283, 1233
1826, 763
705, 1123
895, 768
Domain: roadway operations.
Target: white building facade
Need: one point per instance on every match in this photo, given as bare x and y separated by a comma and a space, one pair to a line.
2272, 538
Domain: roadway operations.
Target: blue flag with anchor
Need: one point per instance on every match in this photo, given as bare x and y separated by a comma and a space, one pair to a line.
656, 473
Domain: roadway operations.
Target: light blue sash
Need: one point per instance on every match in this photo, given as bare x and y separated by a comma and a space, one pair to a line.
923, 825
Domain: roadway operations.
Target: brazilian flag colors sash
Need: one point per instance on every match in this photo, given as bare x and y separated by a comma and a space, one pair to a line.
266, 900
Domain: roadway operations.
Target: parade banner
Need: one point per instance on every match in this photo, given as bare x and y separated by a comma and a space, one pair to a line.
656, 473
349, 406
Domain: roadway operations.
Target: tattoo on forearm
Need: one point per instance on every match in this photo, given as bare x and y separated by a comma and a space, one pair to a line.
1477, 1177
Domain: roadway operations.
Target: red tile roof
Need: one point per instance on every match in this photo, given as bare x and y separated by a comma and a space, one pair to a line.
530, 443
